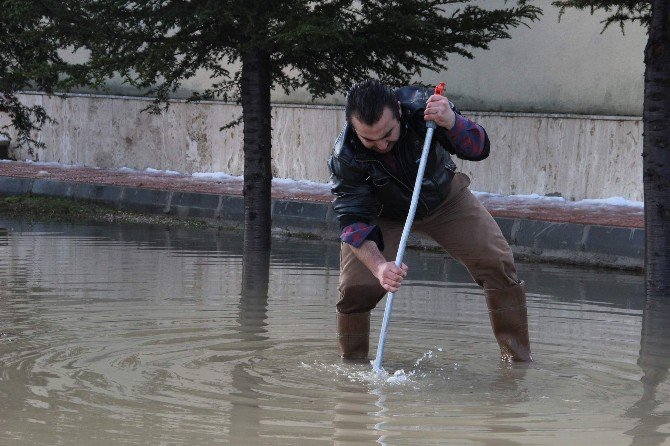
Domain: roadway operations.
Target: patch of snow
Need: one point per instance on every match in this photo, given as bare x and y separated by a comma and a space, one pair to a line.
166, 172
55, 164
518, 197
300, 185
215, 176
612, 201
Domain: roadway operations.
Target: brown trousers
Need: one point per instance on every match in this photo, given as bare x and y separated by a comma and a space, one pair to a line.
461, 225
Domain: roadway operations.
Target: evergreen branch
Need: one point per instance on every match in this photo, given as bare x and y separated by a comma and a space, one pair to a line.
620, 11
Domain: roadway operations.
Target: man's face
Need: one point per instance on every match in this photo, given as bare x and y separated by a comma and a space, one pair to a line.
380, 136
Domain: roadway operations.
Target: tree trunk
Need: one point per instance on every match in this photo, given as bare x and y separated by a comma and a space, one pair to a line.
257, 150
656, 152
654, 362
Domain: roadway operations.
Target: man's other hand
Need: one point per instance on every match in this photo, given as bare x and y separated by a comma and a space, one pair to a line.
439, 110
390, 276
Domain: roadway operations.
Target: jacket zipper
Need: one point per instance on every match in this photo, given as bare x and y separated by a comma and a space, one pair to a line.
398, 180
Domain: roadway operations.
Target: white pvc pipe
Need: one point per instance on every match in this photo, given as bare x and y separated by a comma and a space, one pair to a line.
377, 364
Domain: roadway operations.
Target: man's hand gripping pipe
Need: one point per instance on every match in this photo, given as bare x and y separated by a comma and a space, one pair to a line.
377, 364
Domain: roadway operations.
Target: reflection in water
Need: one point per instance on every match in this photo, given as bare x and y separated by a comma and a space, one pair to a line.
245, 415
357, 413
654, 361
138, 335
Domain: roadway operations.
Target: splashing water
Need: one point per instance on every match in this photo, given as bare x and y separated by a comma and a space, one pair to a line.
427, 355
399, 377
380, 376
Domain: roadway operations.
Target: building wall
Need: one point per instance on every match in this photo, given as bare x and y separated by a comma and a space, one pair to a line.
569, 66
552, 67
573, 156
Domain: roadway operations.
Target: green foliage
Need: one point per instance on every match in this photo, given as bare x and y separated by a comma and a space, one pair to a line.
155, 45
621, 11
30, 48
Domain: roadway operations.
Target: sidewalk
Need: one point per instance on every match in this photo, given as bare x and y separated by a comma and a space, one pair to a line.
538, 229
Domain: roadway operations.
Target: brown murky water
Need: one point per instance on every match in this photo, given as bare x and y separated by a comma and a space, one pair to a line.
137, 335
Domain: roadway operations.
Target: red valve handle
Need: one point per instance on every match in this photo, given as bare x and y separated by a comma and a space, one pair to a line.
439, 88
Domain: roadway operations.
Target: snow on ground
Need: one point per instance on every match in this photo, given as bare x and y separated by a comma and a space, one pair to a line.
52, 164
298, 186
612, 201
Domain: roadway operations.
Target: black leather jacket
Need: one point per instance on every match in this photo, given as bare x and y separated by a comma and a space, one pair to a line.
365, 187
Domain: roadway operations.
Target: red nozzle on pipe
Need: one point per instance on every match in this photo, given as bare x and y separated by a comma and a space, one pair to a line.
439, 88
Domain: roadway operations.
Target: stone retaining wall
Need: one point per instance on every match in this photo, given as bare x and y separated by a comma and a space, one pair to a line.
573, 156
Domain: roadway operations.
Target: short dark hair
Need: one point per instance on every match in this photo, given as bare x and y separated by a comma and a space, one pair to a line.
366, 101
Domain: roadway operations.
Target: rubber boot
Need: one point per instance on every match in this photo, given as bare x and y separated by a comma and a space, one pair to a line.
353, 335
509, 320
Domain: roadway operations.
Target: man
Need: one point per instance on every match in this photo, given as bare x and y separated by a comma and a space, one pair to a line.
374, 166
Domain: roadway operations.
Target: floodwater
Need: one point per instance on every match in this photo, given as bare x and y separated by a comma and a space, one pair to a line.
142, 335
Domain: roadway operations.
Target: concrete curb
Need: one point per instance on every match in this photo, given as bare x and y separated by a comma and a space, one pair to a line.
531, 240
